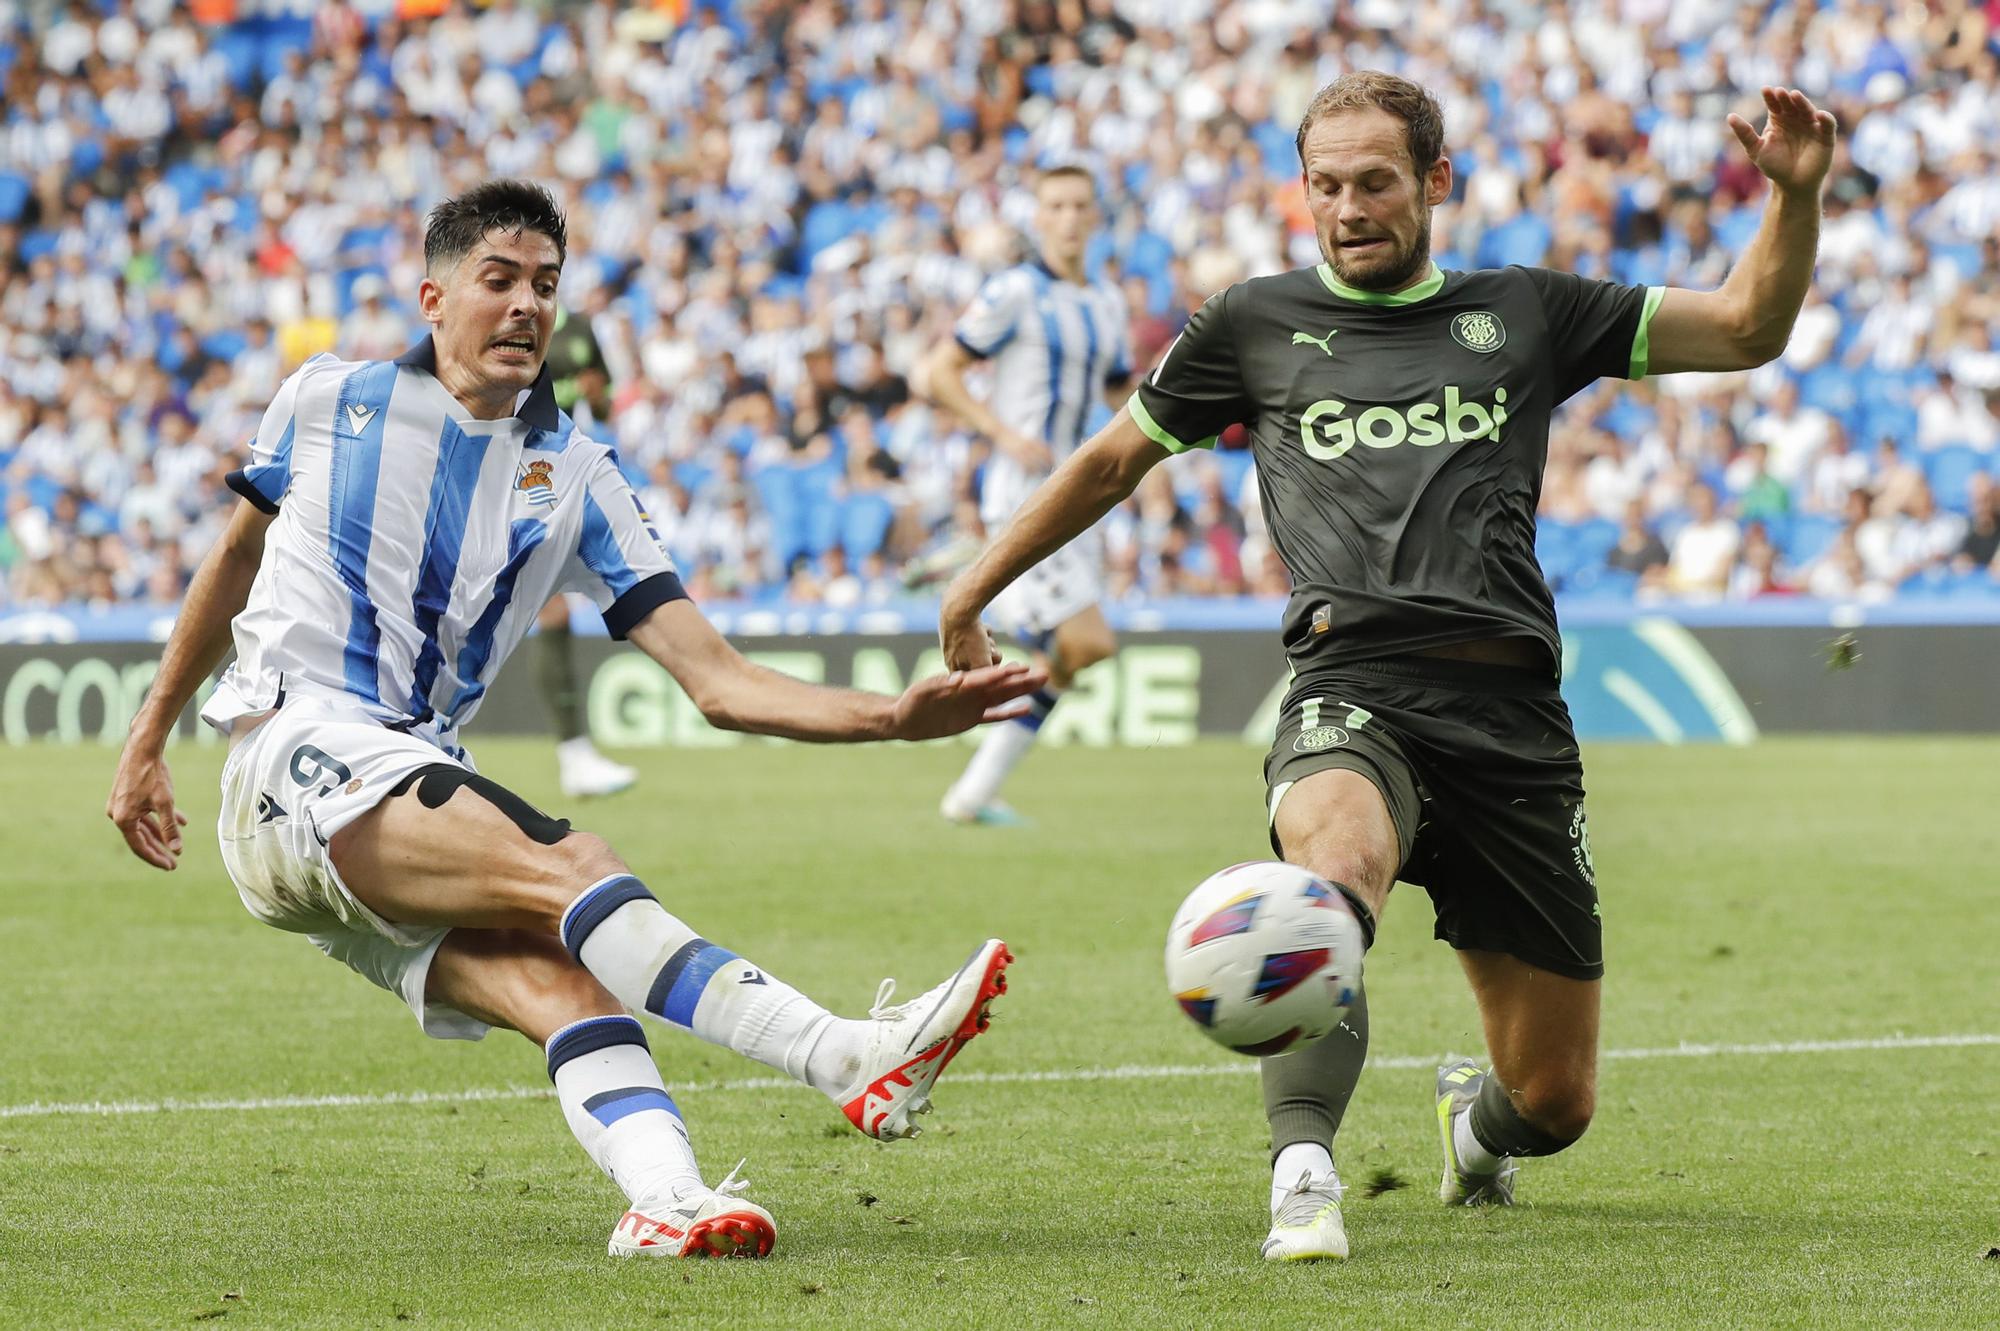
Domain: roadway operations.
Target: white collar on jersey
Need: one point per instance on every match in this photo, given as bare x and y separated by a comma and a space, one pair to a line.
538, 409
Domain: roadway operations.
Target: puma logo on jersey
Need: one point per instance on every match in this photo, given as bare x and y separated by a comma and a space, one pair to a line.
358, 416
1307, 339
1327, 433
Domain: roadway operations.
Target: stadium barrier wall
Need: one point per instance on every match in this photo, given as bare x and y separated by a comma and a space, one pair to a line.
1645, 678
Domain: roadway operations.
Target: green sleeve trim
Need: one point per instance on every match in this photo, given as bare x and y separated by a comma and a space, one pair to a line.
1642, 340
1154, 431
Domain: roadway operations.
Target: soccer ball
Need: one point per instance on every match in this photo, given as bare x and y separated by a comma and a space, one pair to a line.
1264, 957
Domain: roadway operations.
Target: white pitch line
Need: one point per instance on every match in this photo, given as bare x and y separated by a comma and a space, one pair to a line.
1126, 1072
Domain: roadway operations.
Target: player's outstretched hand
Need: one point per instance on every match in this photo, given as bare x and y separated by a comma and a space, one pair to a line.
966, 644
142, 804
1032, 454
1795, 150
948, 704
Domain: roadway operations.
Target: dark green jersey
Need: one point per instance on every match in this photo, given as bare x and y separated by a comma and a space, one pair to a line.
1399, 439
573, 349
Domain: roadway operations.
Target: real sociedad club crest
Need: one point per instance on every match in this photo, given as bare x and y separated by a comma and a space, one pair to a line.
537, 481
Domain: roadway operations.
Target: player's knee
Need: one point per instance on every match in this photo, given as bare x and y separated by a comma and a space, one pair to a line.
572, 867
1559, 1105
1350, 861
1089, 650
586, 857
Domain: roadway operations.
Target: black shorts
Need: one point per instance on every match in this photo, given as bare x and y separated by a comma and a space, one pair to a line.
1479, 766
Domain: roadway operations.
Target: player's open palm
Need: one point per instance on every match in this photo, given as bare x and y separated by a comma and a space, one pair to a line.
947, 704
1795, 151
142, 805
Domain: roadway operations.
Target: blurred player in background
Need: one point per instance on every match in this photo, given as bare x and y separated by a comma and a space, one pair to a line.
1400, 417
1060, 353
582, 384
402, 521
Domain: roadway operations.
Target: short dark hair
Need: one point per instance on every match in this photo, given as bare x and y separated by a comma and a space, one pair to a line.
1422, 117
1070, 170
514, 206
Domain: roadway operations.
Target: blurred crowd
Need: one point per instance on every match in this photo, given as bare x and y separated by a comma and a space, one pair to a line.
776, 207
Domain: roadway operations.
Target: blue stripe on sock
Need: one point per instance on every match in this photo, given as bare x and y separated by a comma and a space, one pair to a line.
607, 1107
1040, 704
590, 1035
595, 906
678, 987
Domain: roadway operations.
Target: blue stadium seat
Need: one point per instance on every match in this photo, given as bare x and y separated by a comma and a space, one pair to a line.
1948, 469
277, 38
1829, 388
864, 524
818, 501
1280, 147
1555, 552
825, 224
1734, 231
1236, 463
1149, 256
1977, 585
1808, 535
1593, 540
1601, 580
224, 343
240, 49
42, 491
15, 190
1521, 239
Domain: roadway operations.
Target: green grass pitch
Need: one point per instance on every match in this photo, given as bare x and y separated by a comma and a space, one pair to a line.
1834, 890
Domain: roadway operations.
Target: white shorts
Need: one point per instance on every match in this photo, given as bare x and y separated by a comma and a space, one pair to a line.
288, 787
1058, 589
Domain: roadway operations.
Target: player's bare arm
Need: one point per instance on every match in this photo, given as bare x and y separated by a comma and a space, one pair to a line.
1095, 479
142, 793
736, 694
1748, 320
941, 379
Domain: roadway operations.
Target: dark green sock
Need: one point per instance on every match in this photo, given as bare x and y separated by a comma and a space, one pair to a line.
1306, 1093
555, 672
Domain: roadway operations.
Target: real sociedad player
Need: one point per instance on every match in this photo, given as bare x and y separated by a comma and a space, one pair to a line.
404, 521
1060, 348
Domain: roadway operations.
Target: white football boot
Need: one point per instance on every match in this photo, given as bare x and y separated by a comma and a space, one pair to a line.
994, 813
585, 772
1306, 1224
905, 1048
701, 1222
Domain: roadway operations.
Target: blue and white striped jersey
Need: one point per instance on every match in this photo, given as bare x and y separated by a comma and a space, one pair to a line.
413, 545
1054, 344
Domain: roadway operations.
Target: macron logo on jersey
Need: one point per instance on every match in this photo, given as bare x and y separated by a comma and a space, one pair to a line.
359, 416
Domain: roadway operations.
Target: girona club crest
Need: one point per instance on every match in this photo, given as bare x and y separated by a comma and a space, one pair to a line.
1480, 330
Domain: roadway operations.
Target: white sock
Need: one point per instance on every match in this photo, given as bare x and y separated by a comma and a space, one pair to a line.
998, 754
619, 1109
1473, 1158
1296, 1161
577, 749
654, 963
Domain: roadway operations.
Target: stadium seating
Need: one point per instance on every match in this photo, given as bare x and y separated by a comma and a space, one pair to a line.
694, 201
